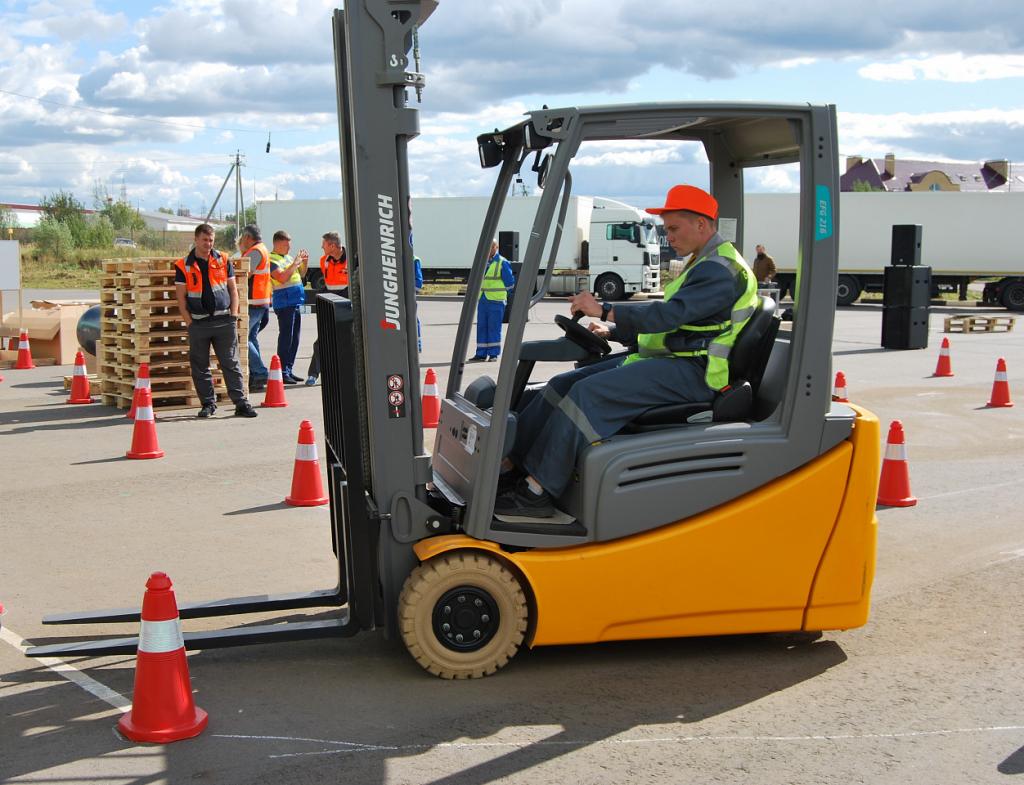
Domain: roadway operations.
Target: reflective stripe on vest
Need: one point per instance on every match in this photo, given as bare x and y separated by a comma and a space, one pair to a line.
217, 274
494, 287
260, 276
722, 335
335, 272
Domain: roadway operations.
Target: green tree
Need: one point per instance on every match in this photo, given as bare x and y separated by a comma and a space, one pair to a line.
53, 238
8, 220
123, 217
62, 206
165, 210
100, 233
864, 185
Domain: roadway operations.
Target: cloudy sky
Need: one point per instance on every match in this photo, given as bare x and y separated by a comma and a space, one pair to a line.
160, 96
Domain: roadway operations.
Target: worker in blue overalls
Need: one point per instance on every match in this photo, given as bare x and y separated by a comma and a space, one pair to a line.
498, 282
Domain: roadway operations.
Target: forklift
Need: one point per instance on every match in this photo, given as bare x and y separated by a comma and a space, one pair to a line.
750, 514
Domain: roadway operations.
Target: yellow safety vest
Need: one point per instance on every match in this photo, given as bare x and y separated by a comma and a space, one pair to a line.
494, 287
725, 333
283, 261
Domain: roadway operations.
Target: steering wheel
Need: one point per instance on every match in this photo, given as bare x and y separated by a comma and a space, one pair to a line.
580, 335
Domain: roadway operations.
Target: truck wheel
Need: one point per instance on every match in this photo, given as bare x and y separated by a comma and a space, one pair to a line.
1013, 296
847, 290
316, 281
609, 287
462, 615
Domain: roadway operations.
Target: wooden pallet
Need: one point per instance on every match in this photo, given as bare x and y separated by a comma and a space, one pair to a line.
967, 323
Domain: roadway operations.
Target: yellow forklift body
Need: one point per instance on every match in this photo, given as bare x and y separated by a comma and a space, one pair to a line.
798, 554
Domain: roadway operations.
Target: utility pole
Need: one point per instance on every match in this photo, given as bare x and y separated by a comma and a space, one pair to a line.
236, 169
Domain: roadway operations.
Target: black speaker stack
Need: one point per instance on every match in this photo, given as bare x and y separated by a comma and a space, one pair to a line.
907, 292
508, 245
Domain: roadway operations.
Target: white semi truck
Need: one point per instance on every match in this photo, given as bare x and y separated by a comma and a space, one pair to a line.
965, 237
606, 246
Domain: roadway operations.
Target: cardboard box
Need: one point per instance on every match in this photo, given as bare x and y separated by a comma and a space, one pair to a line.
52, 328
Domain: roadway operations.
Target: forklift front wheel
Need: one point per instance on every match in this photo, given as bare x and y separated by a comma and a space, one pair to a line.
463, 615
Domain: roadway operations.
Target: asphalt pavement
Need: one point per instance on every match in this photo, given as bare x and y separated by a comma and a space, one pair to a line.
931, 690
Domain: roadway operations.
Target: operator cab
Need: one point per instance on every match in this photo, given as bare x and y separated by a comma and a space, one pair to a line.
676, 461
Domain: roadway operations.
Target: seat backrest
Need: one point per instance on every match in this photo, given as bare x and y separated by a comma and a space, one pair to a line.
753, 347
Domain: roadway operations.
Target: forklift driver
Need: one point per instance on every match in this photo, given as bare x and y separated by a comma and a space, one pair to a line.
703, 311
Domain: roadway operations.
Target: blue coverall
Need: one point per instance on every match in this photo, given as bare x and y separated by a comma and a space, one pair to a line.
489, 314
580, 407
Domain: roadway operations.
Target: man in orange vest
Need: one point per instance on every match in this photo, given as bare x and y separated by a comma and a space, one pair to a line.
334, 267
204, 286
250, 243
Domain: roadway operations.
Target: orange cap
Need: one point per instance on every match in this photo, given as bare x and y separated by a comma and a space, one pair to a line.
688, 197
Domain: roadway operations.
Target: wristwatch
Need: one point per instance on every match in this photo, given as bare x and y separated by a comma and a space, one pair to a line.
606, 308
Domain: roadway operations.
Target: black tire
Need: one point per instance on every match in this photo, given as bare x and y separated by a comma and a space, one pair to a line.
489, 628
609, 287
847, 290
1013, 296
315, 279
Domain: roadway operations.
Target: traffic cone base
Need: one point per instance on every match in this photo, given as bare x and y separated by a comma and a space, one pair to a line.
307, 485
1000, 398
274, 396
80, 382
144, 443
943, 367
894, 484
163, 709
24, 361
430, 401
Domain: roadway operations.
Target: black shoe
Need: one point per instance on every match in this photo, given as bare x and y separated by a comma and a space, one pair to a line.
207, 411
477, 360
524, 503
244, 409
288, 380
295, 379
507, 481
260, 385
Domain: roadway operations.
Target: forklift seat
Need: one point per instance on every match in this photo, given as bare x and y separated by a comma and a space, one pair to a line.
747, 362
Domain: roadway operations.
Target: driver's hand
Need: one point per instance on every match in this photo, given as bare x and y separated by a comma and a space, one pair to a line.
600, 330
584, 303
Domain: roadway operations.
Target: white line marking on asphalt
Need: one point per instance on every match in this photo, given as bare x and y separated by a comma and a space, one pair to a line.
968, 490
1010, 556
71, 673
351, 746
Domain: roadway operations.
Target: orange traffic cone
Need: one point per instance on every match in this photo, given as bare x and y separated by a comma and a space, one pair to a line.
894, 485
307, 486
24, 353
943, 366
162, 706
80, 382
141, 380
839, 388
1000, 387
430, 401
144, 444
274, 396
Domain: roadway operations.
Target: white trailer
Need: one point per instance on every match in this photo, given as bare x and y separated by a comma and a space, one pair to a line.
606, 246
965, 237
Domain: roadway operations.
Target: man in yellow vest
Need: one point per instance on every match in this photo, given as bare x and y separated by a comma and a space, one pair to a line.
289, 295
682, 355
498, 281
250, 243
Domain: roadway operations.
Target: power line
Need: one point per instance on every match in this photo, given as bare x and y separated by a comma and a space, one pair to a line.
122, 116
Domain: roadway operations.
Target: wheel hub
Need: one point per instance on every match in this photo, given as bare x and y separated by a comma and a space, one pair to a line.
465, 618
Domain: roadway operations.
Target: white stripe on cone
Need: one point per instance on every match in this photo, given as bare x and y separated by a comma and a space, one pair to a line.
79, 370
895, 452
430, 389
141, 383
275, 376
23, 343
305, 452
144, 413
159, 637
1001, 376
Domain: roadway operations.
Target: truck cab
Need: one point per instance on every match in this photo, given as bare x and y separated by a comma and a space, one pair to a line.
624, 256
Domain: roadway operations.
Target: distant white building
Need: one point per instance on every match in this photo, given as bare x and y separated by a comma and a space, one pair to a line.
166, 222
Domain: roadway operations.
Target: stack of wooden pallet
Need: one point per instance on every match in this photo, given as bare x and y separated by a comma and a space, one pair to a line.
969, 323
140, 323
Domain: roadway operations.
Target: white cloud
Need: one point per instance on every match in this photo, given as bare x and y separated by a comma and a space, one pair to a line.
955, 67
